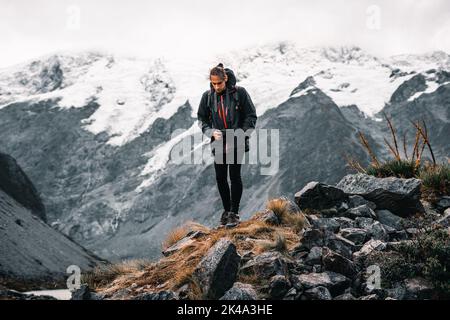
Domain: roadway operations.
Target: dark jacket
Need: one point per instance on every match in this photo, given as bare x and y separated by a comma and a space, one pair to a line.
242, 116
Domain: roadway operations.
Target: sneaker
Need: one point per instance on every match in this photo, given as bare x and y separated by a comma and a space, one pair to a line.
233, 220
224, 218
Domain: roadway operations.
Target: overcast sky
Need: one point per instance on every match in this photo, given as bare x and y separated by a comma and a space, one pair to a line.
30, 28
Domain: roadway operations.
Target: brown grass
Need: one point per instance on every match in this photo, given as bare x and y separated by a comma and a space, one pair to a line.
287, 213
175, 271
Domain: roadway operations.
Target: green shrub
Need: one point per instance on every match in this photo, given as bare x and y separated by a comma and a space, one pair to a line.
435, 180
427, 256
393, 168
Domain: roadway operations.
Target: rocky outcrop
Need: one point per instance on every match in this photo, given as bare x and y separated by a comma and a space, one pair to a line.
400, 196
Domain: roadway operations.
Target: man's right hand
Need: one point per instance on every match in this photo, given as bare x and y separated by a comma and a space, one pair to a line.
217, 134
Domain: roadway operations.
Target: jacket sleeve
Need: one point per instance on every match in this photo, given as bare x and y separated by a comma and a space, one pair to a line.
204, 114
249, 111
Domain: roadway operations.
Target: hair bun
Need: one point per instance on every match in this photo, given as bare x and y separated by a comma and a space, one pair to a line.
220, 65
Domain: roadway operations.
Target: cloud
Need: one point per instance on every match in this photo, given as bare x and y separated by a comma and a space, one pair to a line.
200, 27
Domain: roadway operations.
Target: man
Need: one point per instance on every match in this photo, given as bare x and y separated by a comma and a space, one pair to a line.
227, 106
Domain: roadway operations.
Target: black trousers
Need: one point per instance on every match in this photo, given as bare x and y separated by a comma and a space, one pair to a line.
230, 200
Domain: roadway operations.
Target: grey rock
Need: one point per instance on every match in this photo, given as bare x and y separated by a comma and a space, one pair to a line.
356, 235
162, 295
240, 291
278, 287
445, 219
267, 265
83, 293
332, 261
182, 243
364, 223
400, 196
314, 256
316, 195
270, 217
326, 224
356, 201
345, 222
217, 271
378, 232
388, 218
361, 211
312, 238
345, 296
317, 293
443, 203
341, 245
370, 297
334, 282
368, 248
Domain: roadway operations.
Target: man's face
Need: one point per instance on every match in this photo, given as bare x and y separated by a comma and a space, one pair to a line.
218, 84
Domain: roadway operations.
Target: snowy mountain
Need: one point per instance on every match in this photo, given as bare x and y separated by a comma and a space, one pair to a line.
93, 130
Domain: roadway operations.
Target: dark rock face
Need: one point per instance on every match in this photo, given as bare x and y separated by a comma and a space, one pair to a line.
409, 88
33, 252
217, 271
319, 196
240, 291
400, 196
16, 184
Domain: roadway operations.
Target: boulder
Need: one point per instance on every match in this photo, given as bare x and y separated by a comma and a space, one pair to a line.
361, 211
356, 201
345, 222
312, 238
389, 219
240, 291
341, 245
82, 293
378, 232
278, 287
217, 271
314, 256
266, 265
326, 224
345, 296
333, 261
368, 248
356, 235
318, 196
334, 282
317, 293
400, 196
